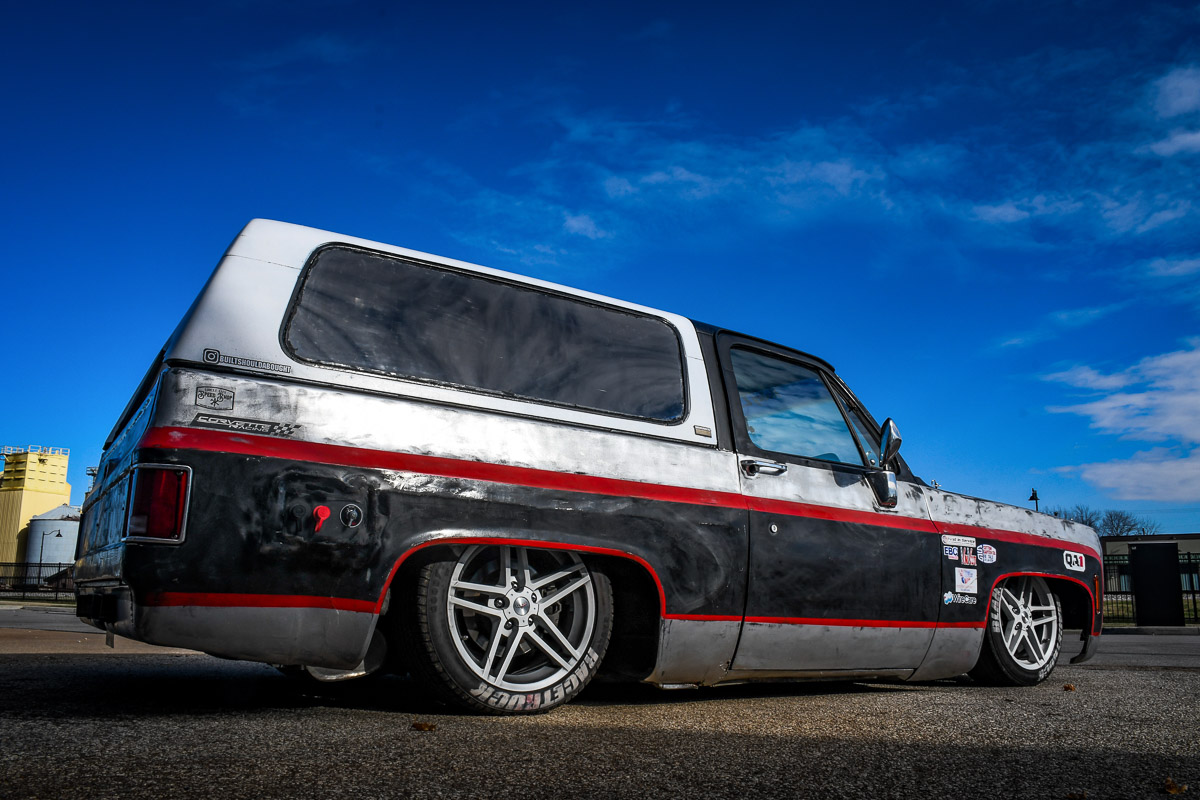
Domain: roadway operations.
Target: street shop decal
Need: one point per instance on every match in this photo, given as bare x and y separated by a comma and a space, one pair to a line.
245, 425
214, 398
987, 554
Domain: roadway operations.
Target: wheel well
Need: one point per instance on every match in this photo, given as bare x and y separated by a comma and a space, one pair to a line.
633, 646
1076, 603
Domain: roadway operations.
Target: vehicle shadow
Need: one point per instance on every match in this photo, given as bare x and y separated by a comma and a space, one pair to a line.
150, 686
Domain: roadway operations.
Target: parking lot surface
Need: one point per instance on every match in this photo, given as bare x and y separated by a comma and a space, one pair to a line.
80, 719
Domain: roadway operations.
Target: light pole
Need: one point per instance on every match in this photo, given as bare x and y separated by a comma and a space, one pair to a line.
42, 552
1034, 499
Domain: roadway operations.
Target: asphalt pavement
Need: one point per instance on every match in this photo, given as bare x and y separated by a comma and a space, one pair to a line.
80, 719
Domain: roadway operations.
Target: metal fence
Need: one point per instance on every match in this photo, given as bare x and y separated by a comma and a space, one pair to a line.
37, 581
1119, 605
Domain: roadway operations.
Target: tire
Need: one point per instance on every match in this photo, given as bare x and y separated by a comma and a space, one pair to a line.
507, 629
1023, 634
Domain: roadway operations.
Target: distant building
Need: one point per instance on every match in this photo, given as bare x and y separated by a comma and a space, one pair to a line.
51, 537
1119, 545
33, 482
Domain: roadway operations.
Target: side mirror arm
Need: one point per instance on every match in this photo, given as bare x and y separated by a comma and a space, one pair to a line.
883, 481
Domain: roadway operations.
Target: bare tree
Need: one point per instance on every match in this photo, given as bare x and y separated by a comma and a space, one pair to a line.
1148, 527
1122, 523
1079, 513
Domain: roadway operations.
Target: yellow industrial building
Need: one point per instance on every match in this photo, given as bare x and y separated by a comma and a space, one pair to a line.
33, 482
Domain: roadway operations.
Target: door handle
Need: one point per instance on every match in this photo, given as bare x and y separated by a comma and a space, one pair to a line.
753, 466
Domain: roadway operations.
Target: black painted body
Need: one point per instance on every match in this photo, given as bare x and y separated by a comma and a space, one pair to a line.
242, 538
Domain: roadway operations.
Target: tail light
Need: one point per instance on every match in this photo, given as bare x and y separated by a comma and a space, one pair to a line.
158, 503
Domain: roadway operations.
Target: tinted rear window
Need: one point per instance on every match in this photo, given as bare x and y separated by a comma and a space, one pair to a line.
387, 315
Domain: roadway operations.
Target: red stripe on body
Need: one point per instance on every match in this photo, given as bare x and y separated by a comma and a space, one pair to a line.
272, 447
232, 600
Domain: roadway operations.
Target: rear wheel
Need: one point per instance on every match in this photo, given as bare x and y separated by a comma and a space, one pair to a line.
1023, 634
507, 629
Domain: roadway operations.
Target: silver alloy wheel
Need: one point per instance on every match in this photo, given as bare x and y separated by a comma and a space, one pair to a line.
520, 618
1029, 621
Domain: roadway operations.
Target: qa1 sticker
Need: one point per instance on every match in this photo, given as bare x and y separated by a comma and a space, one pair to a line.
987, 554
966, 580
1074, 561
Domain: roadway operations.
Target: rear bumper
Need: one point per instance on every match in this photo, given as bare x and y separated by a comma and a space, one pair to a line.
323, 637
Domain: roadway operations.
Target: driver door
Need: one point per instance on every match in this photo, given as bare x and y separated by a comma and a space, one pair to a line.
837, 580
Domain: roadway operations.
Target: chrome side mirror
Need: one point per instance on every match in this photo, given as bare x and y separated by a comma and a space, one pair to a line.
889, 444
884, 480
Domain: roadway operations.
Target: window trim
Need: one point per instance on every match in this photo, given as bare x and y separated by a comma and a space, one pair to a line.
306, 271
726, 343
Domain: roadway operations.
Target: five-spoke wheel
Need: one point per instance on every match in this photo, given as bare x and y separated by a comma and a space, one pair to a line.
510, 629
1023, 635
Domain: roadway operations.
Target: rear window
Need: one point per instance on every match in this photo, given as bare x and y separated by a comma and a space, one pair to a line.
382, 314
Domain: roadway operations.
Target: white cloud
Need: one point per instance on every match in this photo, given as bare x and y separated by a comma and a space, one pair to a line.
1057, 321
583, 225
1166, 407
1157, 474
1005, 212
1157, 399
660, 29
1024, 208
1163, 216
1177, 142
1173, 267
1087, 378
1178, 92
323, 49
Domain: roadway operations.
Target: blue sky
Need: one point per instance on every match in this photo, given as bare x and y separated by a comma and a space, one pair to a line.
984, 214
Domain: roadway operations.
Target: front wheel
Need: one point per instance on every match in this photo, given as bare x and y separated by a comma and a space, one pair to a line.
507, 629
1023, 634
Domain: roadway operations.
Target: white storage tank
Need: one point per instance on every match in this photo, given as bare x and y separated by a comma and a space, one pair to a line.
51, 538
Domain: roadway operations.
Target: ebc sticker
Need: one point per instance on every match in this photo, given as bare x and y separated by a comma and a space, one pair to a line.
951, 552
958, 541
966, 580
987, 554
1074, 561
214, 398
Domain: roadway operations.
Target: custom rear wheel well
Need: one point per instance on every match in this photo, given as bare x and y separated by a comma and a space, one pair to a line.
637, 613
1076, 603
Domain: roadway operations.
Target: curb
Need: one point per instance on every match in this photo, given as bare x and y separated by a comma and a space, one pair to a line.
1153, 630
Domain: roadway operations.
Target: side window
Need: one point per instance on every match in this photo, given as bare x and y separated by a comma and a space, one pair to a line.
388, 315
788, 409
867, 436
